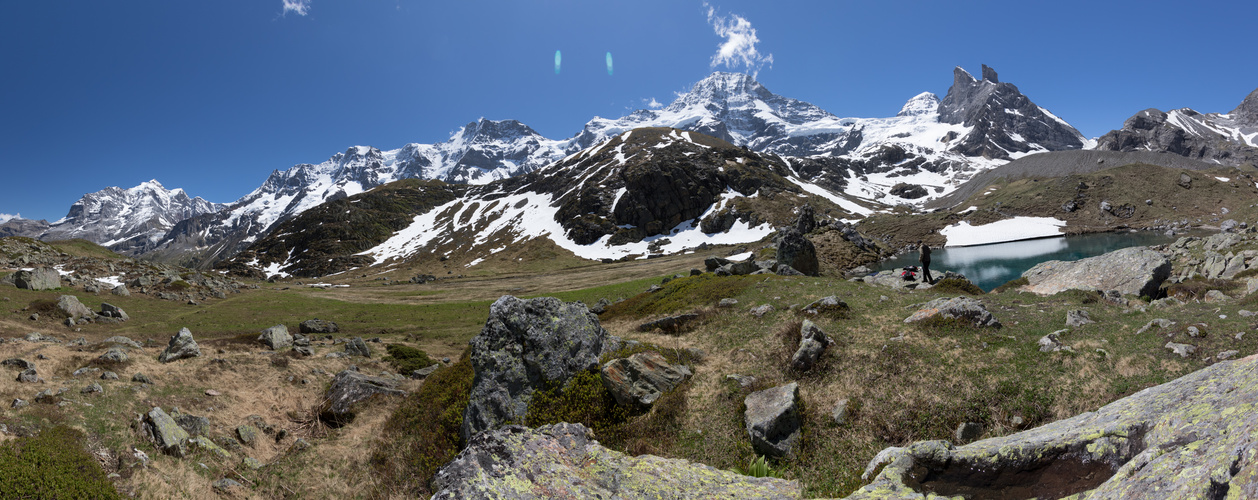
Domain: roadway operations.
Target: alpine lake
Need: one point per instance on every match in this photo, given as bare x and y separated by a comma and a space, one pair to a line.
992, 265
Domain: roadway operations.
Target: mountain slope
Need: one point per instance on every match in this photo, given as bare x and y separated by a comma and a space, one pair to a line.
128, 221
1225, 139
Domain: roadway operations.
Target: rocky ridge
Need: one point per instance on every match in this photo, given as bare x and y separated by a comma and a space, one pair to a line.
1225, 139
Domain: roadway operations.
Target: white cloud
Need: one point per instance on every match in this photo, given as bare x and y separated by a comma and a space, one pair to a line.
652, 103
8, 217
739, 47
299, 7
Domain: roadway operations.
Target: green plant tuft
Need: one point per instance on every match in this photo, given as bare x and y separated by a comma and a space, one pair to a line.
1011, 285
52, 464
582, 399
406, 359
759, 466
957, 285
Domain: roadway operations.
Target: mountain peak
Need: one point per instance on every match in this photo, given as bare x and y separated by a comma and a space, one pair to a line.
1247, 112
924, 103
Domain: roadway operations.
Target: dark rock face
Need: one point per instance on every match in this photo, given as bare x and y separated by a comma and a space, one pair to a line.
1133, 271
796, 251
1188, 438
1184, 132
181, 346
40, 278
670, 324
963, 308
350, 387
773, 421
908, 191
318, 326
564, 461
1003, 120
525, 345
640, 379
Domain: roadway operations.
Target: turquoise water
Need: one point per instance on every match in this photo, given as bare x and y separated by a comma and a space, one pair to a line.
990, 266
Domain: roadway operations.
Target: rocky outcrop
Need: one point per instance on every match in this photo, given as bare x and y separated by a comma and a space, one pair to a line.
796, 251
773, 421
1189, 438
350, 387
1130, 271
40, 278
1001, 119
1213, 137
966, 309
181, 346
564, 461
525, 346
637, 381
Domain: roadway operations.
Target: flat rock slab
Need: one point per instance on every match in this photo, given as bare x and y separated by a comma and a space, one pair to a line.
640, 379
773, 421
1194, 437
564, 461
350, 387
1130, 271
961, 308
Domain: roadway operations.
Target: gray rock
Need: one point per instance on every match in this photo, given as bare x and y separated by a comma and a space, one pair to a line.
85, 370
19, 404
1052, 342
111, 311
968, 431
423, 373
1188, 438
796, 251
1130, 271
141, 378
121, 291
349, 388
318, 326
169, 437
108, 375
40, 278
564, 461
713, 263
842, 412
71, 306
92, 388
114, 355
192, 424
827, 306
727, 303
303, 351
181, 346
1226, 355
118, 340
812, 343
1183, 350
963, 308
670, 324
276, 337
18, 363
524, 346
356, 347
743, 381
1160, 323
202, 443
761, 310
227, 486
251, 463
637, 381
1077, 317
29, 376
1215, 296
773, 421
1194, 332
247, 434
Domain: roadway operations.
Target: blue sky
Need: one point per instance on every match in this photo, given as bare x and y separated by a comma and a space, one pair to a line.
213, 96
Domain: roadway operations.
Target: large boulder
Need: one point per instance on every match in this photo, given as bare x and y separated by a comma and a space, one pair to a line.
640, 379
276, 337
181, 346
71, 306
1189, 438
772, 420
318, 326
41, 278
169, 437
350, 387
796, 251
962, 308
564, 461
1130, 271
527, 345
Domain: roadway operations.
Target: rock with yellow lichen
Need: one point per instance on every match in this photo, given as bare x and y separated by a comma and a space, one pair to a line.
1194, 437
564, 461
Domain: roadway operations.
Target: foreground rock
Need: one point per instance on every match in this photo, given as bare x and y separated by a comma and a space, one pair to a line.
1130, 271
169, 437
41, 278
276, 337
797, 252
525, 345
181, 346
349, 388
962, 308
1189, 438
772, 420
812, 343
564, 461
72, 308
637, 381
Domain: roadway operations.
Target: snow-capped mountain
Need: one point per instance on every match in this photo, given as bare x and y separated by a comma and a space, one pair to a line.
130, 220
1227, 139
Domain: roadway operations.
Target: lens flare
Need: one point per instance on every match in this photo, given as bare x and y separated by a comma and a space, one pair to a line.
558, 60
609, 64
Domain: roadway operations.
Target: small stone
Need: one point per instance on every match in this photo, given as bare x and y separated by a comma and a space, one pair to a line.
744, 381
1077, 317
19, 403
1183, 350
226, 485
761, 310
1194, 332
727, 303
968, 431
842, 412
251, 463
247, 434
109, 376
141, 378
1225, 355
1016, 422
212, 392
92, 388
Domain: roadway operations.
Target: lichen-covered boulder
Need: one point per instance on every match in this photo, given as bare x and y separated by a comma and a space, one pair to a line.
276, 337
181, 346
41, 278
640, 379
773, 421
524, 346
170, 438
1189, 438
962, 308
357, 347
350, 387
1130, 271
564, 461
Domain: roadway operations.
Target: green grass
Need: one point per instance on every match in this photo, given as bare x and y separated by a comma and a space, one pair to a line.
406, 359
685, 294
52, 464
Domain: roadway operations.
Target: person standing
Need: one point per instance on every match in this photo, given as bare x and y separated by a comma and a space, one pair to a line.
925, 259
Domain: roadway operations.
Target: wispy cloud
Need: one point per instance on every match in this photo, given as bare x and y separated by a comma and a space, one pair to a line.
652, 103
739, 47
299, 7
7, 217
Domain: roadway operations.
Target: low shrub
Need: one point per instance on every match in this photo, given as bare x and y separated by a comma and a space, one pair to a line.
582, 399
681, 294
1196, 288
957, 285
406, 359
1011, 285
46, 308
52, 464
